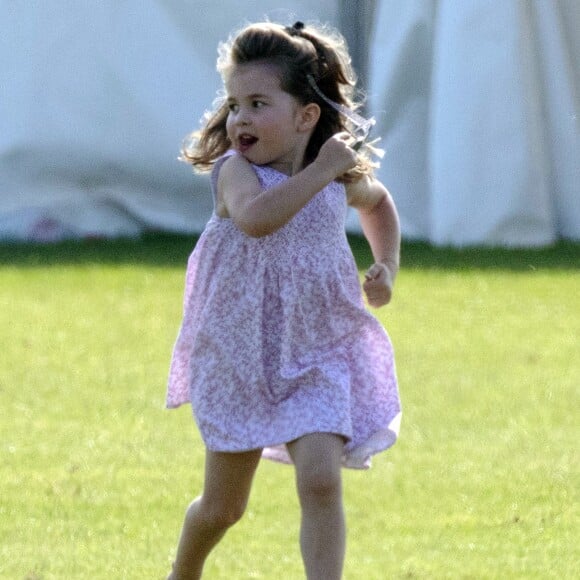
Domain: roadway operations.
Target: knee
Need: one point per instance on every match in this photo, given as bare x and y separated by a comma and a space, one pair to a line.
319, 485
217, 515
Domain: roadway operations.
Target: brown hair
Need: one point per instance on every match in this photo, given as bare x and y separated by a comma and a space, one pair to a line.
297, 52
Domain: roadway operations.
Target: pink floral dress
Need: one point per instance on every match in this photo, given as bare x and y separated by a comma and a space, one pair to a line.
276, 342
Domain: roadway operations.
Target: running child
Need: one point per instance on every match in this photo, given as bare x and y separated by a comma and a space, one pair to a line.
277, 353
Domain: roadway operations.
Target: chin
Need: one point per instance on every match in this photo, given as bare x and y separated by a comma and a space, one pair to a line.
255, 159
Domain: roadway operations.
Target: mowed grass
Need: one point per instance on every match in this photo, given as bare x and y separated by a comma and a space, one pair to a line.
95, 474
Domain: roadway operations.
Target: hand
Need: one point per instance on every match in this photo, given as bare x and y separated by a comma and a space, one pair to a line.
378, 285
336, 155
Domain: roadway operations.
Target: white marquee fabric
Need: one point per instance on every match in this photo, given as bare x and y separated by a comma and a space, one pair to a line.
96, 99
477, 102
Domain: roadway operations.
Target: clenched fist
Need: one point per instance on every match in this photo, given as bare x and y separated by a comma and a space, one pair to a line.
378, 285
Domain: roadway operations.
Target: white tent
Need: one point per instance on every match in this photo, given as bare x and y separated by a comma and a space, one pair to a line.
478, 103
476, 100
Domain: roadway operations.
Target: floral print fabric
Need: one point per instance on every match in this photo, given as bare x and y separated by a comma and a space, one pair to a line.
276, 342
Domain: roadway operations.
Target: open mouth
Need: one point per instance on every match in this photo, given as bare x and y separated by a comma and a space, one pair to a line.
246, 141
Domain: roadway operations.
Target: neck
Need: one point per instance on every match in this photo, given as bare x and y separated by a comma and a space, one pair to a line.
288, 168
292, 164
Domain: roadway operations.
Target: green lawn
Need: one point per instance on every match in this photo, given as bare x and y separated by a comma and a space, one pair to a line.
95, 473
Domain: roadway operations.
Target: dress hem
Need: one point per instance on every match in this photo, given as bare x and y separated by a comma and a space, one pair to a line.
359, 457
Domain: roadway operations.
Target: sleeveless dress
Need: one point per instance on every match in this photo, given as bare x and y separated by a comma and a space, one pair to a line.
275, 341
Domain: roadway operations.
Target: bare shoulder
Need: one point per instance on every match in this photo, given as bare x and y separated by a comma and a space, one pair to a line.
366, 193
236, 170
237, 181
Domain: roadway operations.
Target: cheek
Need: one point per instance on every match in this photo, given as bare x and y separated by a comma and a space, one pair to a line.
229, 125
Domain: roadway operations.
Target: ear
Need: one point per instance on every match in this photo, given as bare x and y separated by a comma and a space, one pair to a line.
307, 117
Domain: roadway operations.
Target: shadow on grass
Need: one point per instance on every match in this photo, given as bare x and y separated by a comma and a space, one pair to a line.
167, 250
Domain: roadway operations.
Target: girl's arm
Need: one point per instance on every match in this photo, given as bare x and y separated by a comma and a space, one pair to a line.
380, 224
260, 213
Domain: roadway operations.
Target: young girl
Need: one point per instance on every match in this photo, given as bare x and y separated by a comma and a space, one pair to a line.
276, 352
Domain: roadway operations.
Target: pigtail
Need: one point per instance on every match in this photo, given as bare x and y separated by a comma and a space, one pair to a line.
332, 86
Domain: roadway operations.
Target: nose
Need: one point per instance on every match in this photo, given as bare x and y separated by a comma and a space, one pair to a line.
242, 118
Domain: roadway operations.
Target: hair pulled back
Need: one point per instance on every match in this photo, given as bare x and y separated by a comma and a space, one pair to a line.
296, 52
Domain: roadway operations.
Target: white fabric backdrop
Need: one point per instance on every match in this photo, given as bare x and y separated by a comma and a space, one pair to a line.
95, 101
477, 102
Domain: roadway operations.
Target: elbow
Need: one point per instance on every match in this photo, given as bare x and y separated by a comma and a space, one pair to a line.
258, 222
254, 229
381, 203
258, 232
377, 205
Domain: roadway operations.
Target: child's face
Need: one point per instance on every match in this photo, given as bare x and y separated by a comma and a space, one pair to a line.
264, 122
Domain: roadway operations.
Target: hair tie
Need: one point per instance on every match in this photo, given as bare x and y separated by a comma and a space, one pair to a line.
295, 29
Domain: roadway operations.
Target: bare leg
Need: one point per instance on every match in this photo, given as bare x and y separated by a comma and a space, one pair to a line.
318, 475
228, 480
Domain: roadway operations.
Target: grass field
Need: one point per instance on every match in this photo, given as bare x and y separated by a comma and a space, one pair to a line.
95, 474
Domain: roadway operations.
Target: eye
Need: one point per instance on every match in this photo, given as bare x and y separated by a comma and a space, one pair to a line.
258, 104
233, 107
